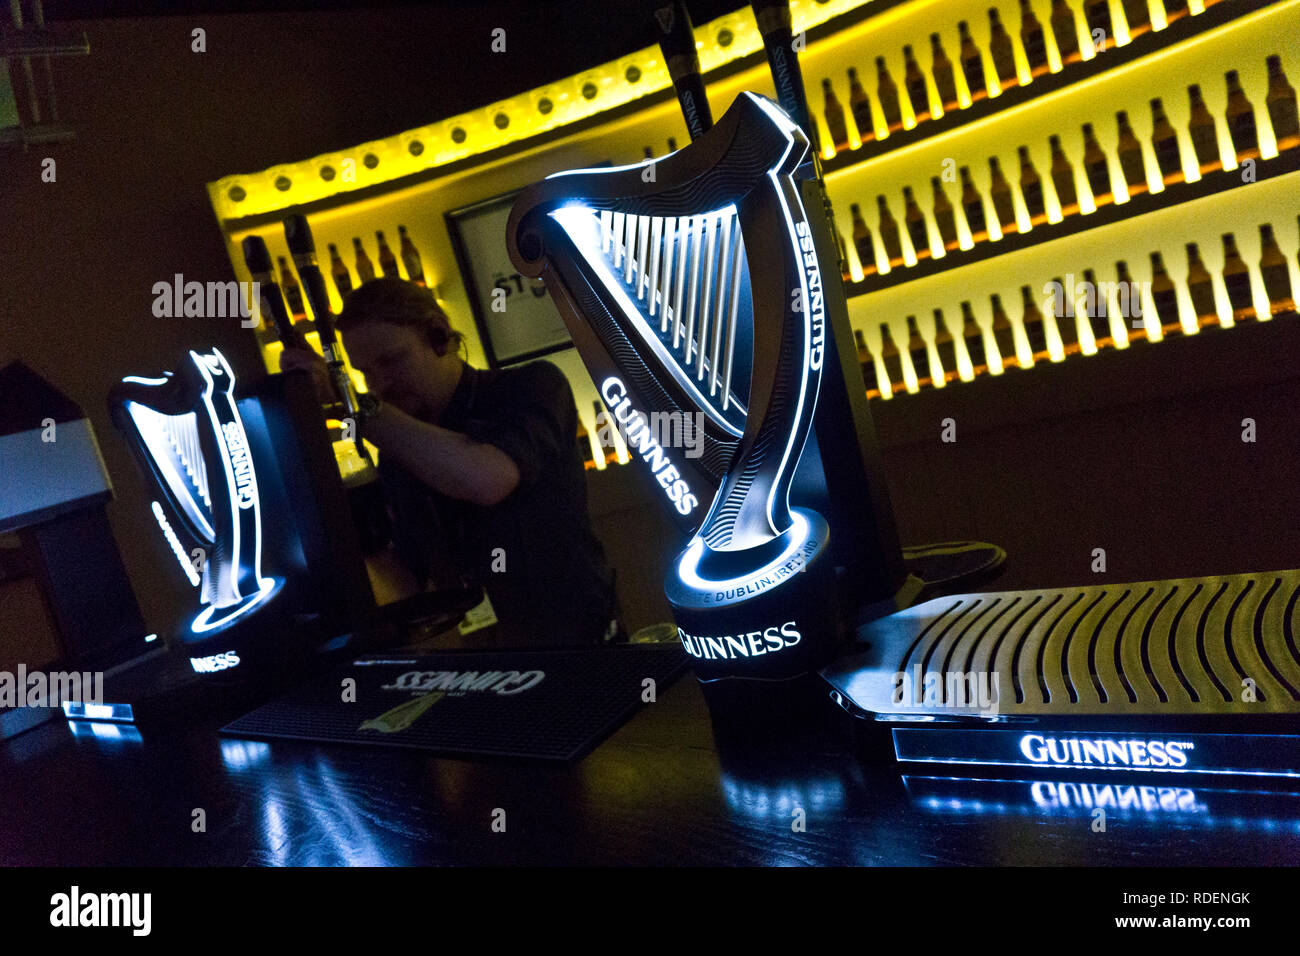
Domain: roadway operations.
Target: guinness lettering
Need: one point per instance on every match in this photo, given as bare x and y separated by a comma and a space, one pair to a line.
816, 295
454, 682
641, 441
239, 463
751, 644
1104, 751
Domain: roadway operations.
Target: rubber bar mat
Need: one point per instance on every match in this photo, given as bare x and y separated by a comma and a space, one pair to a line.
546, 705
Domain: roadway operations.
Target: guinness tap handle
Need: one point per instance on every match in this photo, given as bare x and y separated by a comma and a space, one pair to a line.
258, 260
775, 24
677, 42
303, 247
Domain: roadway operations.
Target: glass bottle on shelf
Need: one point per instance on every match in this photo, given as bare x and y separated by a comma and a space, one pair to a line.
1096, 168
1031, 320
944, 217
834, 114
365, 268
843, 251
1129, 295
1032, 39
411, 257
1098, 311
914, 219
918, 353
862, 241
1063, 178
1200, 288
1138, 17
1165, 296
1031, 188
972, 64
1241, 120
891, 358
1063, 316
860, 106
387, 261
889, 237
1096, 14
1000, 192
1236, 278
973, 336
1275, 273
1204, 134
1281, 104
887, 96
339, 271
944, 82
292, 291
1130, 156
1065, 33
944, 345
1002, 52
1004, 336
1164, 141
914, 81
973, 206
865, 365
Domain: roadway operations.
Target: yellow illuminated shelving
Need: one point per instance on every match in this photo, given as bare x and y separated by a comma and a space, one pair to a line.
607, 113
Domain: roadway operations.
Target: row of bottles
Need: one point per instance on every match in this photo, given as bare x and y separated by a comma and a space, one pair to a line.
365, 269
1001, 51
1077, 319
1099, 176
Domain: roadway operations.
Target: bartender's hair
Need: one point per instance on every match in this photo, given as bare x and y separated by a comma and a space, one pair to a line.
403, 303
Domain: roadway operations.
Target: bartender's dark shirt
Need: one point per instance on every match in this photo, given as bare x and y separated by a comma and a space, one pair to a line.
555, 588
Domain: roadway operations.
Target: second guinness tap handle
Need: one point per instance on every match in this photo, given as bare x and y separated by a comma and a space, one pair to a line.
303, 247
775, 24
677, 42
258, 260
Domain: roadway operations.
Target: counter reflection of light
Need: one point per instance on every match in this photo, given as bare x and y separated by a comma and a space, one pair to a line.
781, 799
241, 754
76, 710
309, 816
120, 733
1124, 801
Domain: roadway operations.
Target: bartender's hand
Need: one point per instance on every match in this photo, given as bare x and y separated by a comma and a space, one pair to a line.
305, 360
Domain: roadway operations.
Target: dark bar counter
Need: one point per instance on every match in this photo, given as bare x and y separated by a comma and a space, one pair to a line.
660, 791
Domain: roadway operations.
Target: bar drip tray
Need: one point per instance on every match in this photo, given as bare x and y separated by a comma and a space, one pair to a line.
1046, 677
1185, 646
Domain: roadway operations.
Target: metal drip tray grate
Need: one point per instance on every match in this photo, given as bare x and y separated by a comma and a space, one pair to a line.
1191, 646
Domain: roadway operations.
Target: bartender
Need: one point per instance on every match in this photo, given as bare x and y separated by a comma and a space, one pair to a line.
481, 465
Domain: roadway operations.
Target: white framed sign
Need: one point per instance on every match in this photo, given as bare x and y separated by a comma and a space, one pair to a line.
516, 319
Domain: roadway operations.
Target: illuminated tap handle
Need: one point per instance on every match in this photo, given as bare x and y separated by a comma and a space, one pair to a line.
696, 294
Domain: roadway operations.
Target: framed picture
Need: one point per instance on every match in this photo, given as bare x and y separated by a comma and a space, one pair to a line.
530, 326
